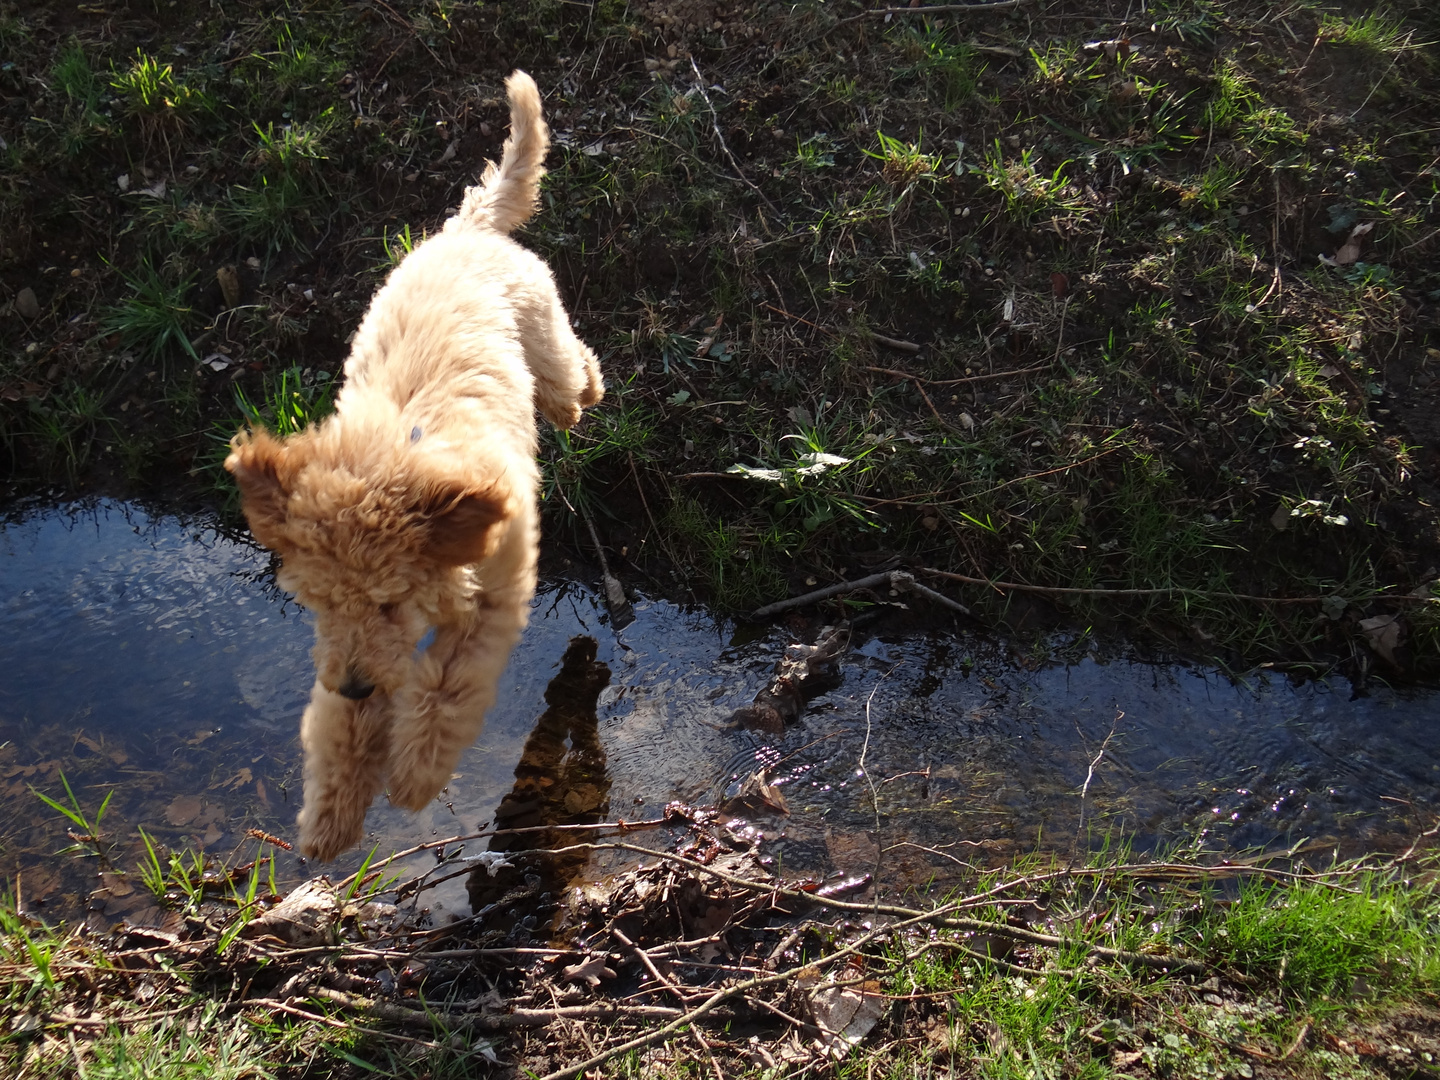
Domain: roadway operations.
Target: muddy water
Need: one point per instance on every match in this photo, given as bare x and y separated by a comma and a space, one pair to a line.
152, 658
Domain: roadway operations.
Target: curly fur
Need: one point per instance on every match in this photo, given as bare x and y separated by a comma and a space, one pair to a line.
412, 508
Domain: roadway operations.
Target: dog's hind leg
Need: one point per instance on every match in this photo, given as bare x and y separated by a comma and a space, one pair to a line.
346, 745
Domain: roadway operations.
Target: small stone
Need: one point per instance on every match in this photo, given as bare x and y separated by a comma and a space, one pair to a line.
26, 303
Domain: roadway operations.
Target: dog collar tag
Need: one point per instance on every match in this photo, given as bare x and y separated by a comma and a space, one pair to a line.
415, 433
426, 640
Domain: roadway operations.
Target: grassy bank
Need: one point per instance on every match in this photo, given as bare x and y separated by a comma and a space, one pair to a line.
1242, 968
1144, 310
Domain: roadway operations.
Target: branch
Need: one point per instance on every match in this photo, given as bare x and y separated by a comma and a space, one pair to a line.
895, 579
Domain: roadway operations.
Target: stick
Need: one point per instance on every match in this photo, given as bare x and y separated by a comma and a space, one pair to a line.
936, 9
1173, 590
488, 1021
956, 382
715, 126
895, 579
893, 343
621, 614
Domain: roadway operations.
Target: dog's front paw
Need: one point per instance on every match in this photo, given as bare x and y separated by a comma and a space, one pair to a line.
325, 833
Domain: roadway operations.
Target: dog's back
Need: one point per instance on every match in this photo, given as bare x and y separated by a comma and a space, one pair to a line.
506, 195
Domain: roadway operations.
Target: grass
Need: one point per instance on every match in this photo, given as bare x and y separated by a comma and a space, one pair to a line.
1107, 967
1133, 229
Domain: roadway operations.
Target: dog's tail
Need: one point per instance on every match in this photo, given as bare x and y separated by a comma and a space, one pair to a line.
506, 195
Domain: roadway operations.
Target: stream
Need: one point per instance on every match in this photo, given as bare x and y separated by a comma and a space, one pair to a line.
151, 658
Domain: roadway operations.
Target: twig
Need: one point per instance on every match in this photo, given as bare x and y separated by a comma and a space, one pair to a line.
957, 382
934, 9
413, 32
494, 1021
1410, 851
431, 845
714, 1001
1174, 590
1090, 772
330, 1021
797, 318
893, 343
621, 614
715, 126
895, 579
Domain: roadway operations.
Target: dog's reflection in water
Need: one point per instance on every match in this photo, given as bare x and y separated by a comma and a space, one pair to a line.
555, 784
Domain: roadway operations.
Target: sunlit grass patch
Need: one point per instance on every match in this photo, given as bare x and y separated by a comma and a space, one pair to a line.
155, 319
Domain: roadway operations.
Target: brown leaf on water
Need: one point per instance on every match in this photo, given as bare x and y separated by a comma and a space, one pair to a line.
116, 884
90, 744
212, 834
183, 809
236, 782
261, 793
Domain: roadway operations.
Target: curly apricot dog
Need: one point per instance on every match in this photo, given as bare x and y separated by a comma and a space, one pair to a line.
407, 520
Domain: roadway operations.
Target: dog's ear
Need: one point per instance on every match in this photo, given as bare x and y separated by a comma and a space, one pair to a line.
261, 467
462, 526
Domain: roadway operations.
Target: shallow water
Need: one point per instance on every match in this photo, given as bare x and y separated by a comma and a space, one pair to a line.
153, 658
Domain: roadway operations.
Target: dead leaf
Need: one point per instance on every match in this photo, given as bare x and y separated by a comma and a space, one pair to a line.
1350, 250
261, 793
116, 884
183, 809
1329, 371
1280, 519
1059, 285
155, 922
212, 834
591, 970
239, 780
1383, 634
306, 917
229, 279
846, 1014
199, 737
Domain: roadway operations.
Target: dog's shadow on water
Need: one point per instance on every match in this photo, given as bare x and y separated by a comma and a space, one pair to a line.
561, 779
